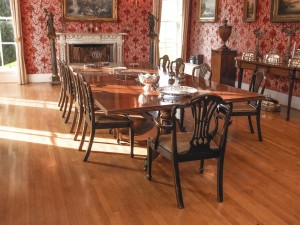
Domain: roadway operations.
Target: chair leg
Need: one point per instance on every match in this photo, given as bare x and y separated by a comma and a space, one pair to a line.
65, 106
91, 141
117, 134
63, 101
79, 122
74, 120
201, 166
149, 160
220, 179
258, 127
177, 184
182, 119
131, 135
83, 136
250, 124
69, 111
60, 97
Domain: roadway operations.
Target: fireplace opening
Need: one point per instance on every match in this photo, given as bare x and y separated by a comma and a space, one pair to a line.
83, 53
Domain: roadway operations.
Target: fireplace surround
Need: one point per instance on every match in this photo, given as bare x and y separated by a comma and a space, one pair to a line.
115, 41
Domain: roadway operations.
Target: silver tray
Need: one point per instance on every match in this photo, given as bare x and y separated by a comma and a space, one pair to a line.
128, 74
178, 91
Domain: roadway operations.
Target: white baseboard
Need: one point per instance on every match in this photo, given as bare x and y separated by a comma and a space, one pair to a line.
39, 78
280, 97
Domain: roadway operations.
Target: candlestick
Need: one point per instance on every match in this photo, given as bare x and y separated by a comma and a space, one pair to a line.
258, 34
294, 49
289, 31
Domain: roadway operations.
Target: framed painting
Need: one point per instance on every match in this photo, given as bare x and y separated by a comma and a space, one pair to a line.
285, 11
92, 10
250, 10
207, 10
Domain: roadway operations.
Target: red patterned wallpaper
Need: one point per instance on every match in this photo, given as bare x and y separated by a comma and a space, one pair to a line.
131, 14
203, 36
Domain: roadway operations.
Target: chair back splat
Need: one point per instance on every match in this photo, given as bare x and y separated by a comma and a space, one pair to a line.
88, 103
203, 70
177, 66
164, 62
78, 105
207, 139
69, 97
63, 85
258, 82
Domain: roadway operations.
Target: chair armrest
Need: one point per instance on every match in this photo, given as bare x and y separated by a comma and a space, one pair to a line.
162, 126
223, 110
223, 117
224, 114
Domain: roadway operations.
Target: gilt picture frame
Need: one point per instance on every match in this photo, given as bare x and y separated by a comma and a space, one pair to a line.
93, 10
208, 10
250, 10
285, 11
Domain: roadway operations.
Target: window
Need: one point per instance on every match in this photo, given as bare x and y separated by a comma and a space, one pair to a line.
170, 37
7, 44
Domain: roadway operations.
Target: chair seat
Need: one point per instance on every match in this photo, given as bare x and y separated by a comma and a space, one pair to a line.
183, 144
243, 106
118, 120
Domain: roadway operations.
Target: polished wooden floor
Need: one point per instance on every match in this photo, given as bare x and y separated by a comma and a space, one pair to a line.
43, 180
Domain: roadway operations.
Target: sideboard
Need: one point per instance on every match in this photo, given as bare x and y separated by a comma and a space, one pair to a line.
292, 73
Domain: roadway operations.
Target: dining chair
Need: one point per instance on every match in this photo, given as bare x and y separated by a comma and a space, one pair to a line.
203, 70
98, 120
164, 62
206, 140
257, 85
69, 98
76, 55
78, 105
62, 94
97, 56
177, 66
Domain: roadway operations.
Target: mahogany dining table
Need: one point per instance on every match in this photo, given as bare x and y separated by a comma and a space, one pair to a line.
115, 93
121, 94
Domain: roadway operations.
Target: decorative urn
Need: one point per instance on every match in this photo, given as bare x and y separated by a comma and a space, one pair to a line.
224, 33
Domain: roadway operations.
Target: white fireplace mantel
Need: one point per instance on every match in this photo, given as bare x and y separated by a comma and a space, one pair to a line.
116, 39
